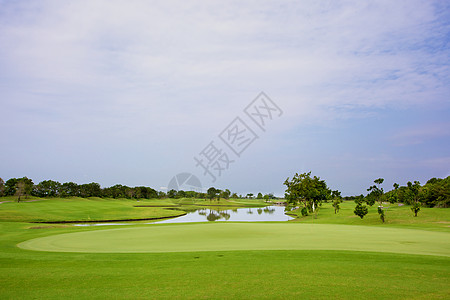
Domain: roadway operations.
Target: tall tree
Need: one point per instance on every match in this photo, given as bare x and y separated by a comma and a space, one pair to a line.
377, 192
415, 204
10, 186
47, 188
306, 191
337, 199
360, 210
212, 192
225, 194
2, 187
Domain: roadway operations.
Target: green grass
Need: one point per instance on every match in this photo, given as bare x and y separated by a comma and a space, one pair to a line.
436, 219
217, 266
246, 236
83, 209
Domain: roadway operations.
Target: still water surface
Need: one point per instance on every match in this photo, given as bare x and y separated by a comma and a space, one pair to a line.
259, 214
254, 214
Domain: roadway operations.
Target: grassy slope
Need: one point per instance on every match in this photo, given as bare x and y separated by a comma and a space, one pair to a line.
278, 274
436, 219
81, 209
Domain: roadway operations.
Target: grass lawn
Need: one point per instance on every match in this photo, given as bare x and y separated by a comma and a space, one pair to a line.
227, 260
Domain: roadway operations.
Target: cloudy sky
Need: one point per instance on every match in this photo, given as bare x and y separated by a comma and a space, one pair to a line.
131, 92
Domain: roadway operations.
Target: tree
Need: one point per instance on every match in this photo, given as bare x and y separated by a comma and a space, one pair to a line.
415, 204
47, 188
23, 187
306, 191
249, 196
225, 194
172, 193
10, 186
360, 209
392, 196
234, 196
259, 196
436, 192
337, 199
212, 192
69, 189
2, 187
377, 192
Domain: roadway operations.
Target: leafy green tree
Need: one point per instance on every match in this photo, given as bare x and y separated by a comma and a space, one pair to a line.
172, 193
306, 191
249, 196
360, 210
259, 196
377, 192
2, 187
181, 194
225, 194
92, 189
234, 196
23, 187
415, 204
47, 188
69, 189
212, 192
20, 190
392, 196
337, 199
10, 186
436, 192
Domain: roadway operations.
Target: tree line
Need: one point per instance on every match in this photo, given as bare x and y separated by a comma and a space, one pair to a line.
24, 187
307, 193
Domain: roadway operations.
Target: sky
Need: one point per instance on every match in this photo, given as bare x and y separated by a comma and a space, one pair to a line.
136, 92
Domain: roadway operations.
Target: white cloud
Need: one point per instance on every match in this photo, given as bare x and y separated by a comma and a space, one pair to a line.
134, 69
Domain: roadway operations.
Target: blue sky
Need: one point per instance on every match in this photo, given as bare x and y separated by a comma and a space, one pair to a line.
130, 92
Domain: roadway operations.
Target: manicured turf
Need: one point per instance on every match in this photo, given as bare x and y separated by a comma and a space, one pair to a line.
220, 273
246, 236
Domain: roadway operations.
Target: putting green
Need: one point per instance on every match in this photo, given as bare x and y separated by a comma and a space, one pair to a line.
246, 236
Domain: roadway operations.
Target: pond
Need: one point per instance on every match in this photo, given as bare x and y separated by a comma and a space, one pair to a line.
252, 214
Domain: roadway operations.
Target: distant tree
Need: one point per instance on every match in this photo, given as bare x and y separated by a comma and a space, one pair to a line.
10, 186
337, 199
181, 194
266, 198
92, 189
436, 193
2, 187
225, 194
23, 187
161, 195
392, 196
249, 196
306, 191
234, 196
212, 192
47, 188
259, 196
360, 210
415, 204
377, 192
69, 189
172, 193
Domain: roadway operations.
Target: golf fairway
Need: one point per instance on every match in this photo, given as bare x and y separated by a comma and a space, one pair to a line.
245, 236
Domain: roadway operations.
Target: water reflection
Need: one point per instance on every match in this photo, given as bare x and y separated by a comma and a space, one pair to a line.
269, 213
